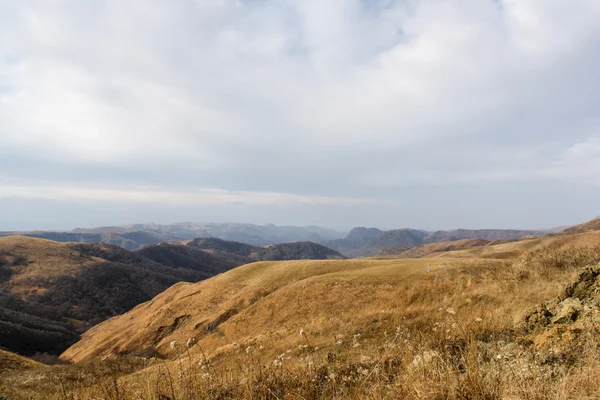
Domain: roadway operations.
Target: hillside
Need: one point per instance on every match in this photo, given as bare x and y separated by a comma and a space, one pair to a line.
15, 363
425, 249
130, 240
449, 325
233, 303
50, 292
365, 242
593, 225
271, 252
505, 320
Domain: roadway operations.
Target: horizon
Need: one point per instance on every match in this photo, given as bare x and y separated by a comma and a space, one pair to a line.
341, 230
345, 113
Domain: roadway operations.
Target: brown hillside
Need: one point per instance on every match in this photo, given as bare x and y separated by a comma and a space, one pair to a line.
10, 362
251, 304
50, 292
449, 325
593, 225
425, 249
36, 262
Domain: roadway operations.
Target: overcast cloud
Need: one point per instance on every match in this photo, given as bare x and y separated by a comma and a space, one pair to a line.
429, 114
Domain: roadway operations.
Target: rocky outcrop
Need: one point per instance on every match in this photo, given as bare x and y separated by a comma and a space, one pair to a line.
566, 320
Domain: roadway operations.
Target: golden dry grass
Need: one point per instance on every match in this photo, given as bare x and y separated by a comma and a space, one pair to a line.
45, 260
430, 328
13, 362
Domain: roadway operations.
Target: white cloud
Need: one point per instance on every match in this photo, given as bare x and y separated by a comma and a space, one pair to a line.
169, 196
304, 96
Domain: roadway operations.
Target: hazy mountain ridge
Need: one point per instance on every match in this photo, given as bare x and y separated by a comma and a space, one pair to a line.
135, 236
271, 252
364, 242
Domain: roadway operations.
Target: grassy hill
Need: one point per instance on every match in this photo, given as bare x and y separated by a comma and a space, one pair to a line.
593, 225
10, 362
508, 320
425, 249
50, 292
294, 293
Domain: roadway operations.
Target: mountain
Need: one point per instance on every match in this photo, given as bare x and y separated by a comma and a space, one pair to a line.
475, 327
362, 242
135, 236
271, 252
50, 292
480, 322
365, 242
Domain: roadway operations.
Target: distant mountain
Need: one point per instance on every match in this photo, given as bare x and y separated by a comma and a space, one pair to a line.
362, 242
365, 242
133, 237
245, 253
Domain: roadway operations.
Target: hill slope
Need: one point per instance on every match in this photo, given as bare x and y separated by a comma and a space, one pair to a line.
465, 324
256, 300
50, 292
425, 249
593, 225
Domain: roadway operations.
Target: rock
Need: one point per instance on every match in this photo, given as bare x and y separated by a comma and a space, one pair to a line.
567, 311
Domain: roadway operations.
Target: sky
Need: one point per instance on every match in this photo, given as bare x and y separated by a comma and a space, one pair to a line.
428, 114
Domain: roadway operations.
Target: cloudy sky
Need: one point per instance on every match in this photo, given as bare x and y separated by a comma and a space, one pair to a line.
410, 113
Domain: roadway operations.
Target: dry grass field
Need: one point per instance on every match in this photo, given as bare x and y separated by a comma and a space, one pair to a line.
467, 324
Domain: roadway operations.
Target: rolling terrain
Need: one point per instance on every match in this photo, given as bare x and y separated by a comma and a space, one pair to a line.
477, 320
233, 303
451, 324
50, 292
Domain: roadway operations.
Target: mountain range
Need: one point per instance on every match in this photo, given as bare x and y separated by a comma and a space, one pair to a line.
359, 242
135, 236
364, 242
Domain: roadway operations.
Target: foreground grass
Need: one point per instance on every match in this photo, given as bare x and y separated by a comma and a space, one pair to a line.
454, 332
